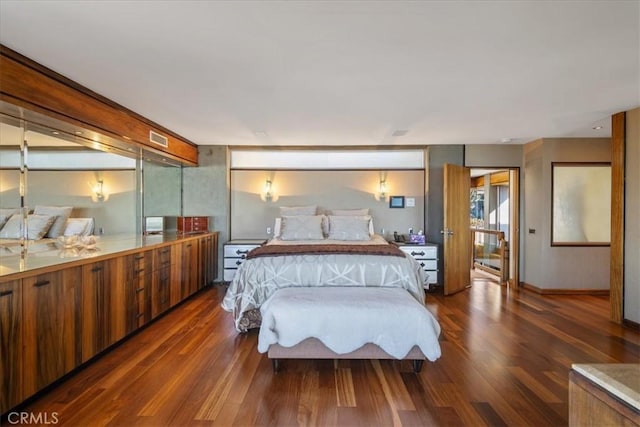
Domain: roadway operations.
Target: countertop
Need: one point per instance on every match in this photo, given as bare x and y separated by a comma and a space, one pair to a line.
622, 380
15, 260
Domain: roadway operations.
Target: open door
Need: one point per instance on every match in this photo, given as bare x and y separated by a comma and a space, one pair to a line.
456, 233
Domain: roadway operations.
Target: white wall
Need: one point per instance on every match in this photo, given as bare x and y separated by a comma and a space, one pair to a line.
337, 189
553, 267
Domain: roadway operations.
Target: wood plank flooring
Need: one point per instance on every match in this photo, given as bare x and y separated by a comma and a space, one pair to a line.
505, 362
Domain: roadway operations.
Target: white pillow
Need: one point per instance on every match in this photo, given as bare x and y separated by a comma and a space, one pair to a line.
62, 214
298, 210
277, 227
301, 227
349, 227
37, 226
78, 227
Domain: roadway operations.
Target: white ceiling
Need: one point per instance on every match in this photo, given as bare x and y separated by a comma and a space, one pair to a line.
345, 73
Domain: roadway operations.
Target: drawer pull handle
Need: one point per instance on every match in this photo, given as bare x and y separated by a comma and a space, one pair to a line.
417, 253
139, 290
140, 270
139, 257
166, 250
5, 293
95, 269
238, 262
139, 315
422, 264
42, 283
238, 252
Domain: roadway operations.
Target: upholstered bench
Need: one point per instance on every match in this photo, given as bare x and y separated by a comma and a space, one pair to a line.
347, 323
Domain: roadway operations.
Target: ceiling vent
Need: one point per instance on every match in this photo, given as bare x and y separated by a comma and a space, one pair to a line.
156, 138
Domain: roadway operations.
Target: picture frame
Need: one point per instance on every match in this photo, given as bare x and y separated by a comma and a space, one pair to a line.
396, 201
580, 204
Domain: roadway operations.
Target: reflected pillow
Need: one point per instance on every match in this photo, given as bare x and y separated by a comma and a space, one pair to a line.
298, 210
78, 227
62, 214
301, 227
37, 226
349, 227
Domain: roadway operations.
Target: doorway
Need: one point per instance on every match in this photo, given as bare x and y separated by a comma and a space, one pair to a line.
494, 217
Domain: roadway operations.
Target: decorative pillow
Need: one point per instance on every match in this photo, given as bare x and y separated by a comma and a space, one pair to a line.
37, 226
349, 227
301, 227
78, 227
349, 212
298, 210
62, 214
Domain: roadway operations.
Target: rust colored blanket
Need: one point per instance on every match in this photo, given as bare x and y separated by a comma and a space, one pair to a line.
282, 250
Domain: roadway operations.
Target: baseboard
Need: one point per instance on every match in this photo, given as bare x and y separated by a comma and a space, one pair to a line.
599, 292
631, 325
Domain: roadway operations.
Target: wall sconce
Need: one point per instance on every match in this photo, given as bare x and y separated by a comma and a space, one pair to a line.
98, 193
383, 189
268, 195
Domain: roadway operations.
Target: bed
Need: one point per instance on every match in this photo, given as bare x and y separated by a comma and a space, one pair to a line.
321, 272
318, 263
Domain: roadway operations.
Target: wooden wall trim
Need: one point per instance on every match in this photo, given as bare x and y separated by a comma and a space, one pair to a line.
618, 135
27, 84
542, 291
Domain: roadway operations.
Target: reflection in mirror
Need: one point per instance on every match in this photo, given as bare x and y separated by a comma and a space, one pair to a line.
94, 184
11, 136
162, 184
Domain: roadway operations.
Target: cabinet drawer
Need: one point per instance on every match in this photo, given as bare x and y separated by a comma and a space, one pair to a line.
233, 262
428, 264
421, 252
433, 277
237, 251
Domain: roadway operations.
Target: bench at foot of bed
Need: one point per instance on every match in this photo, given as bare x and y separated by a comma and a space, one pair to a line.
312, 348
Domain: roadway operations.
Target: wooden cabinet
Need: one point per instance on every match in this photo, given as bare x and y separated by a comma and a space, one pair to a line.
138, 279
10, 345
53, 319
50, 333
193, 224
161, 280
209, 254
190, 268
102, 316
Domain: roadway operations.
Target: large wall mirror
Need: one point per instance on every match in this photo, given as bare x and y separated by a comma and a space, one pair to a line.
53, 165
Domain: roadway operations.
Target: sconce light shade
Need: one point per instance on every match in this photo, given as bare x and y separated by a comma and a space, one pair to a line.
383, 189
268, 195
99, 190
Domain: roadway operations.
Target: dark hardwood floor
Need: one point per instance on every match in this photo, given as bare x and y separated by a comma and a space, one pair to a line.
505, 362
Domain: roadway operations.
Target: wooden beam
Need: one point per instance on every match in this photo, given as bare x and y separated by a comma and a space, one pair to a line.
28, 84
616, 284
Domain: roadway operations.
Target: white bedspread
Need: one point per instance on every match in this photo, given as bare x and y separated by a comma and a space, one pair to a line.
345, 319
258, 278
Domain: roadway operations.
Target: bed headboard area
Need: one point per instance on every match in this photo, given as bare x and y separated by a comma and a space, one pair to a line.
257, 195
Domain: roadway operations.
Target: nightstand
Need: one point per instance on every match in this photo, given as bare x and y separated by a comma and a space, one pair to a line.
235, 252
426, 255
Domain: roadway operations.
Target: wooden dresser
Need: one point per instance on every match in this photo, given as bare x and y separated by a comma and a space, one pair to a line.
57, 314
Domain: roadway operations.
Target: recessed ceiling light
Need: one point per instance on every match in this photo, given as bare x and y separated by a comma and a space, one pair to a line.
506, 140
400, 132
260, 133
597, 127
55, 132
78, 132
